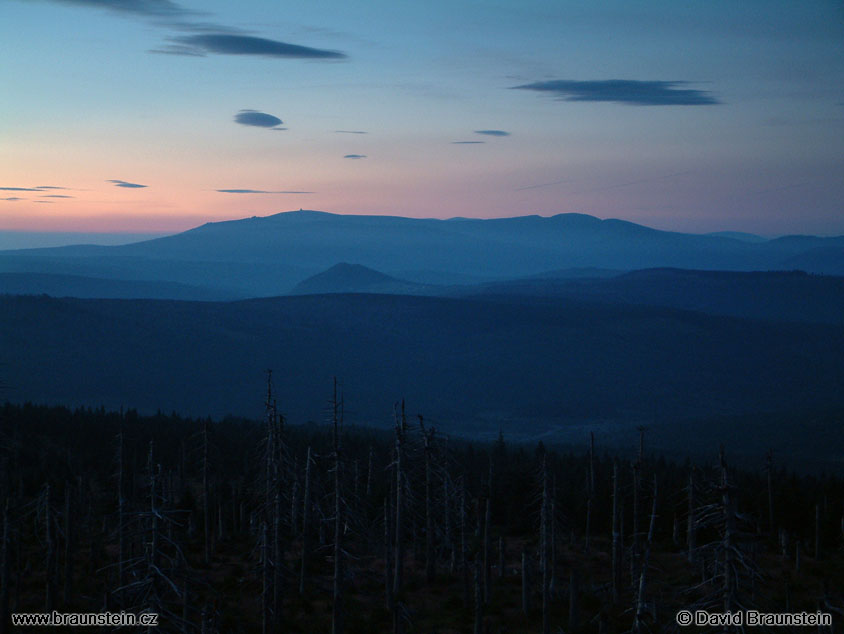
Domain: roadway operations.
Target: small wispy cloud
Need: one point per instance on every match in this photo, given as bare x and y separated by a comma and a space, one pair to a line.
468, 142
51, 187
43, 202
350, 132
150, 8
492, 132
230, 44
624, 91
261, 191
13, 198
20, 189
120, 183
355, 156
258, 119
58, 196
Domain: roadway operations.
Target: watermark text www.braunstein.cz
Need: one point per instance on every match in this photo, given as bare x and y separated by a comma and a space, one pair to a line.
754, 618
85, 619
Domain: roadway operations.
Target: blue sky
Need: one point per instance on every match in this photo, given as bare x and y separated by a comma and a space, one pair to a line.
156, 115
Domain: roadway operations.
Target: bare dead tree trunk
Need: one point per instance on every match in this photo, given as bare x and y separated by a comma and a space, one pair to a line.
637, 485
487, 544
399, 537
463, 563
306, 524
154, 534
388, 563
616, 546
525, 582
449, 542
487, 563
68, 546
266, 580
50, 562
278, 561
369, 475
430, 564
728, 542
122, 553
337, 615
479, 600
691, 530
294, 500
769, 468
544, 544
638, 622
206, 506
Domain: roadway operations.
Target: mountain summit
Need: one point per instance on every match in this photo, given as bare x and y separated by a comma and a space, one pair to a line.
355, 278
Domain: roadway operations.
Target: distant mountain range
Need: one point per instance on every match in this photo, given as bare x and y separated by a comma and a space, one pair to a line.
544, 326
271, 255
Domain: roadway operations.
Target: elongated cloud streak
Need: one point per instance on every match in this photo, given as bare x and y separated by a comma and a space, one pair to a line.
624, 91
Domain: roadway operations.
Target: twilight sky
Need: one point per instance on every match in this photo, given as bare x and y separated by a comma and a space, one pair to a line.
159, 115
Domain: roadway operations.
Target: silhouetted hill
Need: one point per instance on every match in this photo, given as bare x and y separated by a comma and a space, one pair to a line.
469, 365
270, 255
355, 278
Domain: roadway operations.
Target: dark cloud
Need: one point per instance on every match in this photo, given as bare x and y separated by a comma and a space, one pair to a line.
257, 119
350, 132
12, 198
625, 91
468, 142
260, 191
120, 183
51, 187
58, 196
154, 8
492, 132
355, 156
229, 44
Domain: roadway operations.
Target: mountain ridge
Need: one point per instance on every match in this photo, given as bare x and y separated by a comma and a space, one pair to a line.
270, 255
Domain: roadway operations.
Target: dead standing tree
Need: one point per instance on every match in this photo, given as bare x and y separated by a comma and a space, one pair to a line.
726, 562
639, 615
337, 614
401, 429
430, 555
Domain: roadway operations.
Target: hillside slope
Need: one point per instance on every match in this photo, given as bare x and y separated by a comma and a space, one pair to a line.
469, 365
